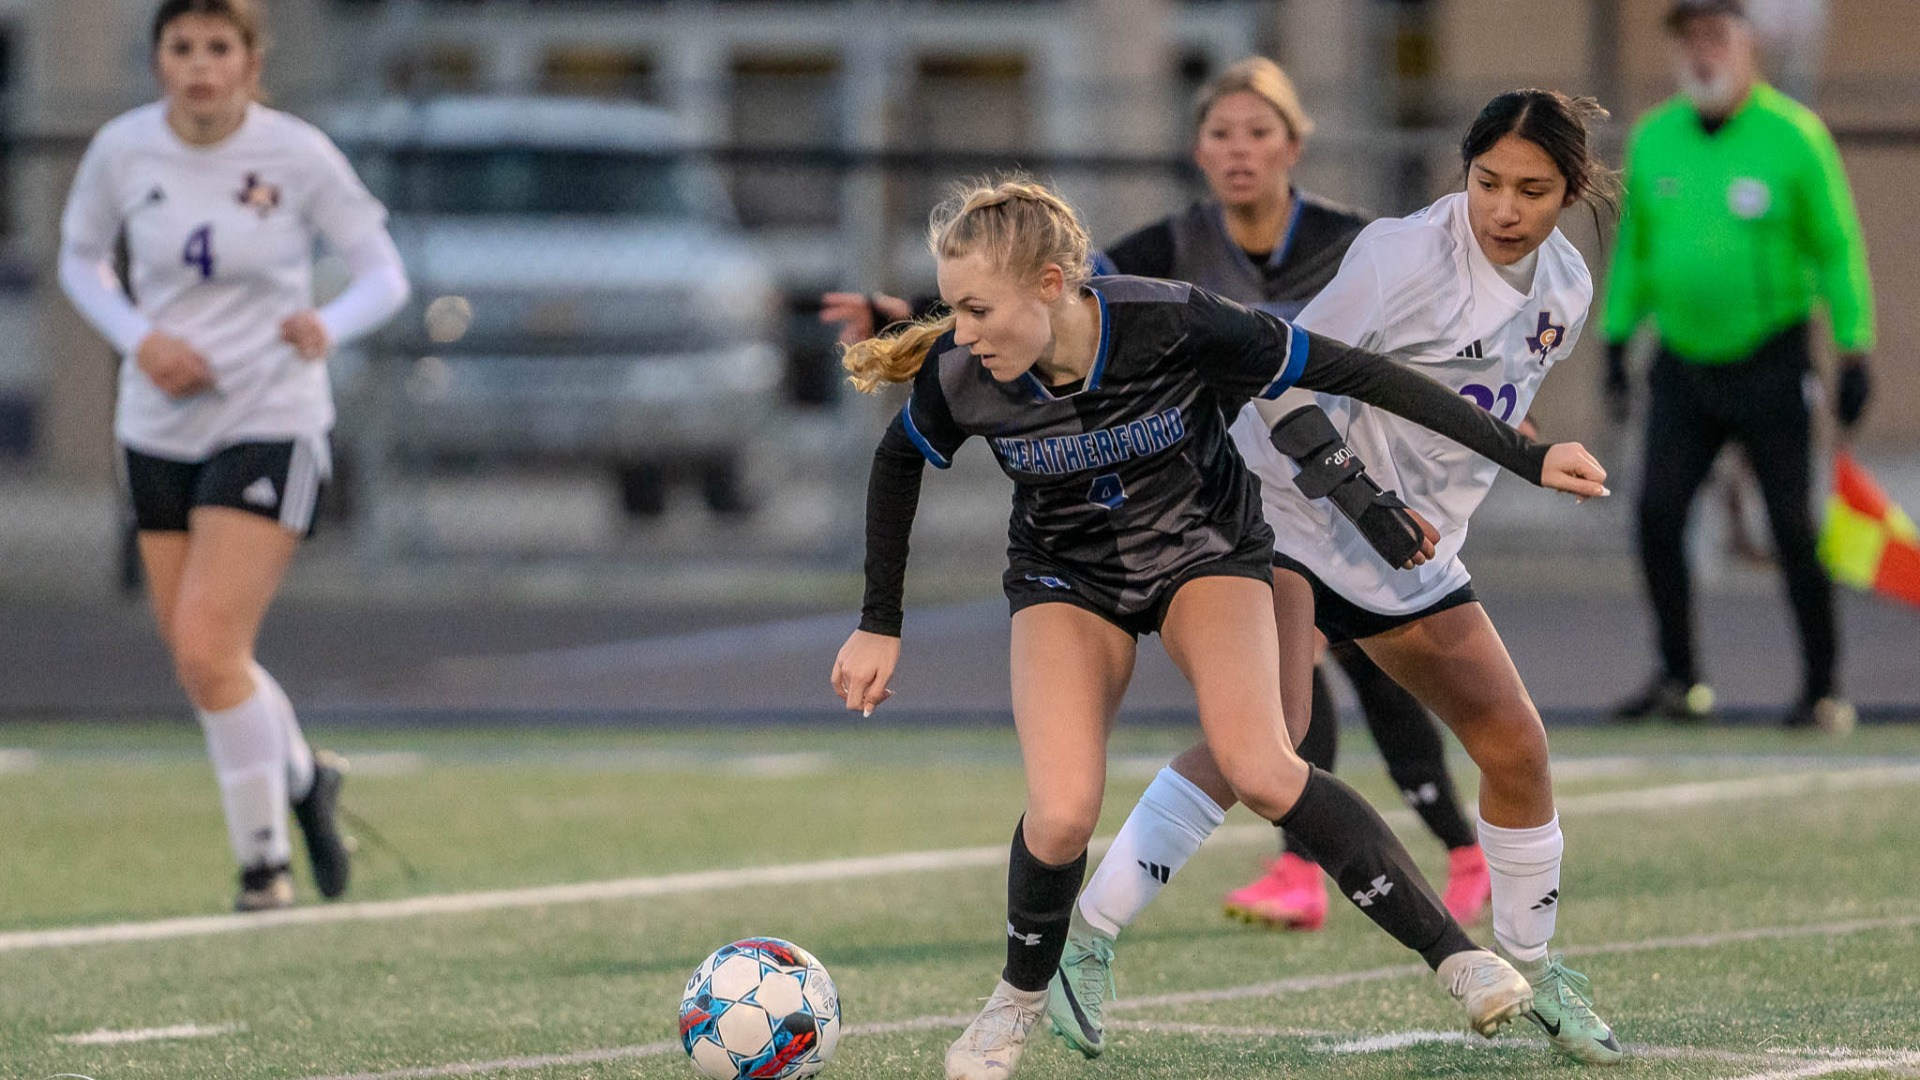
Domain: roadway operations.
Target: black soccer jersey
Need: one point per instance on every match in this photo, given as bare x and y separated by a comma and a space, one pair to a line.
1127, 482
1194, 245
1128, 479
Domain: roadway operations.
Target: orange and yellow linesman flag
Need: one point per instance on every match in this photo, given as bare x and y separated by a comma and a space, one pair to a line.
1867, 541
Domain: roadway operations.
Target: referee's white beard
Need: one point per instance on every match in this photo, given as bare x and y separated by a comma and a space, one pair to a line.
1713, 97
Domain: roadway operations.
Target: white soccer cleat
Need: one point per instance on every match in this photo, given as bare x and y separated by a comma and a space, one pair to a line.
991, 1046
1491, 991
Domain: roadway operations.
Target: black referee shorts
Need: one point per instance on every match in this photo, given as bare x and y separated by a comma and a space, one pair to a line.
279, 481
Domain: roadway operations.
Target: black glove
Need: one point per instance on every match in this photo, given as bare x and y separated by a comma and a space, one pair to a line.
1856, 386
1619, 395
1330, 469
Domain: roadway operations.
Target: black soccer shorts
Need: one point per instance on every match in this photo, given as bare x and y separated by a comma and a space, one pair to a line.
280, 481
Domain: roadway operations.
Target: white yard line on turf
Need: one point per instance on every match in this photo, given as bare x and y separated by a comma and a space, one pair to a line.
18, 761
1342, 1042
1396, 1040
1844, 1065
1595, 803
103, 1037
1276, 988
623, 1053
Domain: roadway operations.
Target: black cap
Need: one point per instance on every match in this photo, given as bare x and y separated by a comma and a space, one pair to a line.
1682, 10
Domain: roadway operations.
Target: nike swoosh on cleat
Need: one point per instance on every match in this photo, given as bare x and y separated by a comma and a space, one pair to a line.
1080, 1017
1551, 1028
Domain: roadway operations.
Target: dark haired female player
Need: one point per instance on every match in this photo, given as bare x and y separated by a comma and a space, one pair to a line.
1482, 290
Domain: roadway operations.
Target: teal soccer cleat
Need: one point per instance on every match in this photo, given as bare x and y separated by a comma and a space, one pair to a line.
1563, 1009
1081, 988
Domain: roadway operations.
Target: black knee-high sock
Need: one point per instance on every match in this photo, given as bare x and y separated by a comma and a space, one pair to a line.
1319, 748
1039, 907
1372, 868
1410, 742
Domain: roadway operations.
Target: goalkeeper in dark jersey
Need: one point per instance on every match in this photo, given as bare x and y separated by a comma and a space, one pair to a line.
1132, 514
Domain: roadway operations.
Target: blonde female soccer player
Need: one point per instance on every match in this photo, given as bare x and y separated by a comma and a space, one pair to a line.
224, 408
1483, 291
1133, 514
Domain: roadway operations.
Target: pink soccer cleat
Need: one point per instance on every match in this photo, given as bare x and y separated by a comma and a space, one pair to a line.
1468, 884
1291, 895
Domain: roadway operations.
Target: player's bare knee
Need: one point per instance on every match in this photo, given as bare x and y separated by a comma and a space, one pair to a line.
1510, 744
1266, 788
1057, 835
212, 676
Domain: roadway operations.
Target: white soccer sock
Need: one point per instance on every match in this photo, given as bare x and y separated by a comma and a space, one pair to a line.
299, 754
1525, 867
1168, 824
248, 746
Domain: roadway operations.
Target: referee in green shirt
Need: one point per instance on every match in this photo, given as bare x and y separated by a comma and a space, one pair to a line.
1738, 222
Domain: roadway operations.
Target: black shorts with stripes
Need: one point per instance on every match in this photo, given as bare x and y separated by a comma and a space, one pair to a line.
280, 481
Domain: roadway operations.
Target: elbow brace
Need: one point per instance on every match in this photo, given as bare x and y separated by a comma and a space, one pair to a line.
1329, 469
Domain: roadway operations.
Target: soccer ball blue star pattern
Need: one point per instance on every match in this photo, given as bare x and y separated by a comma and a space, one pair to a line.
760, 1008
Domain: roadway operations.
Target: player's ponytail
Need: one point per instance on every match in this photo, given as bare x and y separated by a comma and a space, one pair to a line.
893, 357
1019, 224
1561, 126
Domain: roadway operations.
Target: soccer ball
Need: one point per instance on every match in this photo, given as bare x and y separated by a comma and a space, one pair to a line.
760, 1008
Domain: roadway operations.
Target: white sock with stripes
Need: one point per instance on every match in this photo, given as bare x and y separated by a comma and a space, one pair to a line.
248, 746
1525, 867
1168, 824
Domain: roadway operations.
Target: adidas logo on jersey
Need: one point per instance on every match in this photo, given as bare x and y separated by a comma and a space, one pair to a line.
261, 493
1473, 351
157, 196
1381, 887
1157, 872
1548, 901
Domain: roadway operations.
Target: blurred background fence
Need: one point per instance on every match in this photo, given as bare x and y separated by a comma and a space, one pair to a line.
619, 216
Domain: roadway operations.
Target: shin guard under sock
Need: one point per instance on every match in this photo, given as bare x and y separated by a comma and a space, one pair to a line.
1039, 909
1319, 748
1372, 868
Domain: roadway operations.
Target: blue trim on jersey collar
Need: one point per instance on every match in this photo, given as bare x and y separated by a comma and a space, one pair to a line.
1042, 393
1293, 226
1295, 364
1037, 388
1105, 348
926, 449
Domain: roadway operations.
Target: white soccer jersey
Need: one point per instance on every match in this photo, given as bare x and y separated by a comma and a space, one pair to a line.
1420, 290
221, 241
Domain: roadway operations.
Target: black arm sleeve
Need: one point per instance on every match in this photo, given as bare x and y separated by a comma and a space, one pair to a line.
1146, 252
1336, 368
893, 498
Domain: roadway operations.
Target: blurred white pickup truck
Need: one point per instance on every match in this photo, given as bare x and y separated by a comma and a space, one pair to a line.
581, 293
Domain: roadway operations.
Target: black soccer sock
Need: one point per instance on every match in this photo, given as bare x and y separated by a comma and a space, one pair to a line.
1039, 908
1410, 742
1372, 868
1319, 748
